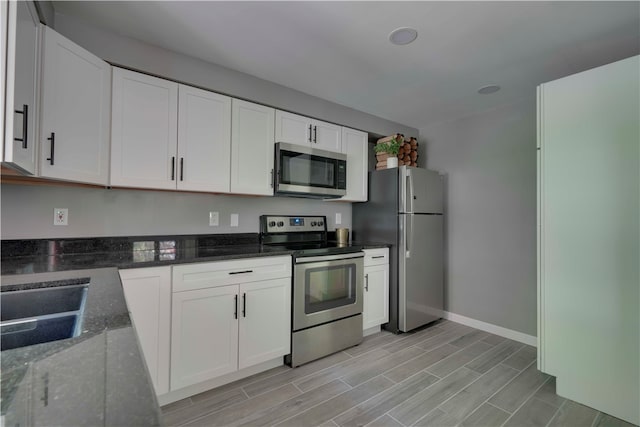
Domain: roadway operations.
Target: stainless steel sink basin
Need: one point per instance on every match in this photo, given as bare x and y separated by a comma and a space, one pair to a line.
41, 315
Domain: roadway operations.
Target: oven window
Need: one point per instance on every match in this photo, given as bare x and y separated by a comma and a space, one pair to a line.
307, 170
329, 287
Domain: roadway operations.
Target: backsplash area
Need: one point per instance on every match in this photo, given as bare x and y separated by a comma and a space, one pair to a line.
27, 212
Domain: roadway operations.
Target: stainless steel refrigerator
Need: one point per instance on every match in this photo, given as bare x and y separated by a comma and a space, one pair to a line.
405, 211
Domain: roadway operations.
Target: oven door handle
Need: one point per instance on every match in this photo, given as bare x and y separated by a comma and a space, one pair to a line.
305, 260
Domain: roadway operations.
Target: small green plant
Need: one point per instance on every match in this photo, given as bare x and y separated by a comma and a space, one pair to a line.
392, 147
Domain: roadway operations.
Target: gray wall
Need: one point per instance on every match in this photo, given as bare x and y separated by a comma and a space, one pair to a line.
489, 161
144, 57
27, 212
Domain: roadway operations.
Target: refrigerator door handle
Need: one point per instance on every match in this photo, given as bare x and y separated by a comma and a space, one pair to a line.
409, 236
411, 195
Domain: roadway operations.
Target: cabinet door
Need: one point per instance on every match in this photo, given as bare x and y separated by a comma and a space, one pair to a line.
143, 131
327, 136
204, 335
75, 112
293, 128
354, 145
21, 86
265, 321
252, 148
148, 295
204, 140
376, 296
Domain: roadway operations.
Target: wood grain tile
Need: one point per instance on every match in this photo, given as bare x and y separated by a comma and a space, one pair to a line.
427, 400
494, 356
417, 364
340, 369
440, 339
573, 414
333, 407
372, 409
469, 338
459, 359
213, 403
437, 418
236, 413
407, 340
534, 413
547, 393
384, 421
522, 358
377, 367
373, 342
486, 415
290, 374
520, 389
472, 396
605, 420
296, 405
494, 339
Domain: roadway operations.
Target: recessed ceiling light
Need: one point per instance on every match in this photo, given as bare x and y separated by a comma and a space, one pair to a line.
485, 90
403, 35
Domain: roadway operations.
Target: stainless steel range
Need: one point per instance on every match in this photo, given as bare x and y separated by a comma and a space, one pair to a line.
327, 286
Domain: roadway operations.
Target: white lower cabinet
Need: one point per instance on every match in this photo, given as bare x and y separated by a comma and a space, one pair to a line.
227, 316
148, 295
376, 288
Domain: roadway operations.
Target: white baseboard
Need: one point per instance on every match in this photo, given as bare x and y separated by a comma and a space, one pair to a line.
491, 328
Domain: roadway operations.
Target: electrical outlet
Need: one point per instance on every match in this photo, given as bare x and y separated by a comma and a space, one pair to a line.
60, 216
234, 220
214, 219
338, 219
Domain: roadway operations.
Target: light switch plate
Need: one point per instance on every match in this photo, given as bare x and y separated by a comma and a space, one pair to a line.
60, 216
234, 220
214, 219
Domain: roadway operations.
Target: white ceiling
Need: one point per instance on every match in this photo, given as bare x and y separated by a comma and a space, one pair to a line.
340, 51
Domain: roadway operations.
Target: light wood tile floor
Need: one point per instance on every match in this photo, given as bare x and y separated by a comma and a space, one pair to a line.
444, 375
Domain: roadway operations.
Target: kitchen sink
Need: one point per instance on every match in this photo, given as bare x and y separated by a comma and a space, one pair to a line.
36, 316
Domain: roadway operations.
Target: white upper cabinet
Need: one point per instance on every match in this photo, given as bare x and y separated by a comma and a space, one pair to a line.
354, 145
143, 131
204, 140
300, 130
169, 136
252, 148
75, 110
20, 54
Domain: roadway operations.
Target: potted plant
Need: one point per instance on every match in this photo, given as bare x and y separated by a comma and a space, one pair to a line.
390, 148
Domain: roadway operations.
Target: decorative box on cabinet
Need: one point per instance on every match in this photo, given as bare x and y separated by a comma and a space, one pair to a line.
228, 316
376, 288
20, 84
300, 130
148, 295
588, 250
75, 112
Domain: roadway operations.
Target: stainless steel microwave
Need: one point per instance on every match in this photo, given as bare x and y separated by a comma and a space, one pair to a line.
309, 172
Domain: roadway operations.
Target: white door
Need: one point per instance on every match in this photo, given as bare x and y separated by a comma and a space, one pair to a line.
355, 146
204, 335
75, 112
252, 148
204, 140
148, 295
326, 136
21, 86
143, 131
376, 296
293, 128
265, 321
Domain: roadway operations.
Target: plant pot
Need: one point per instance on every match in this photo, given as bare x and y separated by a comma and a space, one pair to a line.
392, 162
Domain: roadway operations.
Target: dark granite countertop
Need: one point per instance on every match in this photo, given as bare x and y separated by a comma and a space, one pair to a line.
99, 377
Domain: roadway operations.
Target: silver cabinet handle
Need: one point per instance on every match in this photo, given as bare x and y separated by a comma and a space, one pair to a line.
310, 133
366, 282
378, 256
241, 272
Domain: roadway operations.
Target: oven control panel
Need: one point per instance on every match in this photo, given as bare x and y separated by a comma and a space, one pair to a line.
288, 224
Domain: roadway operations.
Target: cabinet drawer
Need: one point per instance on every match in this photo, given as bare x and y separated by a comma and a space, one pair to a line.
221, 273
376, 256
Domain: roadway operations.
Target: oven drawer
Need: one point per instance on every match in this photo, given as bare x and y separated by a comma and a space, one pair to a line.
376, 256
221, 273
